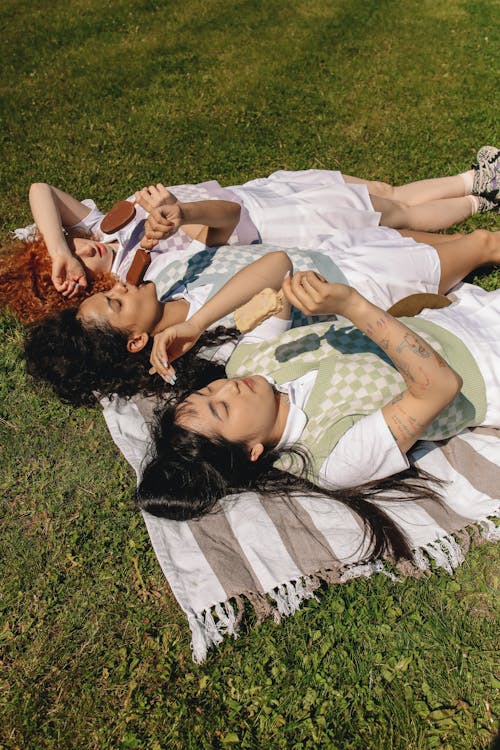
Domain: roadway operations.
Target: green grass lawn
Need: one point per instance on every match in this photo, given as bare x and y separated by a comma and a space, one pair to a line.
100, 98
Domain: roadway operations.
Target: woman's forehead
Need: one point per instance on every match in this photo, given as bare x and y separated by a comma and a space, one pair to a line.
93, 306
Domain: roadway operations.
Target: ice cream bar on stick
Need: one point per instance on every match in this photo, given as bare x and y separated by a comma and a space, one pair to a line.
413, 304
138, 267
118, 217
258, 309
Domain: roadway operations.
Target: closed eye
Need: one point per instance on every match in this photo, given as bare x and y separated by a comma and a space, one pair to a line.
114, 304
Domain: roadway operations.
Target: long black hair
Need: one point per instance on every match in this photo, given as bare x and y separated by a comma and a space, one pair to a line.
188, 473
82, 362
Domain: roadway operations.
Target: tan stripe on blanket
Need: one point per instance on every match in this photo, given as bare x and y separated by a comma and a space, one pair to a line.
444, 516
482, 474
488, 431
305, 543
224, 554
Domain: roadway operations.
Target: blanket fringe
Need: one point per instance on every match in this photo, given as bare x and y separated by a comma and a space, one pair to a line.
290, 595
206, 631
209, 627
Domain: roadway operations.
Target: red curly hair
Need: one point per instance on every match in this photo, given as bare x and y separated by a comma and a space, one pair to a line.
26, 287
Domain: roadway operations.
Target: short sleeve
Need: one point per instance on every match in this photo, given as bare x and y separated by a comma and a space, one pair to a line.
366, 452
92, 221
269, 329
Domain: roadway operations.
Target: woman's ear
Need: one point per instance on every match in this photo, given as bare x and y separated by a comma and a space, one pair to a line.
137, 342
255, 452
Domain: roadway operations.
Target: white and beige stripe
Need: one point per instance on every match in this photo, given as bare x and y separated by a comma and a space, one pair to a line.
273, 552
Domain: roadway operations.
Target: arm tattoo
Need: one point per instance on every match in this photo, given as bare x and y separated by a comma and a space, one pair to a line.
410, 342
397, 399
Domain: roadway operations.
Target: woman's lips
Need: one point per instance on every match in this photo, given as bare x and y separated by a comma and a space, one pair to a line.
101, 249
248, 382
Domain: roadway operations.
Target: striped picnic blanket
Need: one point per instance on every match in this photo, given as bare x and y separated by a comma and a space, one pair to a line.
275, 553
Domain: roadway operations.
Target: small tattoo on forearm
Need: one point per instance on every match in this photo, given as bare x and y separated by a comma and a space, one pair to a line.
408, 431
411, 342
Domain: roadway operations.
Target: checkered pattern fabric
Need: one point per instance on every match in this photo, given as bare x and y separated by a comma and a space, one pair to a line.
181, 241
355, 378
217, 265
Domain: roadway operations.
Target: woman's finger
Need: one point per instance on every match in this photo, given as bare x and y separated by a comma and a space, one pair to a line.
301, 290
310, 286
159, 355
148, 244
143, 199
296, 295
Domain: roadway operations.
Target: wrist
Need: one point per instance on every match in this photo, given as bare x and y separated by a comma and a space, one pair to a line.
353, 305
59, 249
183, 213
200, 321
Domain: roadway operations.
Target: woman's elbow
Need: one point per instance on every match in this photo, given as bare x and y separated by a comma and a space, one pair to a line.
452, 386
284, 261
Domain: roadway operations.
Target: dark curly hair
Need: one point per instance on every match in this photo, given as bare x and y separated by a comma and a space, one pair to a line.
188, 473
82, 362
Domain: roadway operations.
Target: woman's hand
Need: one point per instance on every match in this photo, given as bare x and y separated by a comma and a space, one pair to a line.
165, 214
314, 295
161, 223
154, 196
170, 344
68, 275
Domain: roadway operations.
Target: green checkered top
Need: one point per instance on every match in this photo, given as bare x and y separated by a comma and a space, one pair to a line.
356, 378
217, 265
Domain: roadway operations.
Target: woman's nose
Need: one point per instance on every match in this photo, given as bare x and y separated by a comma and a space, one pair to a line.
229, 386
84, 251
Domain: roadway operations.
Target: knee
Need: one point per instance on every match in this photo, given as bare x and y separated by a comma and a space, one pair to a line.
382, 189
397, 215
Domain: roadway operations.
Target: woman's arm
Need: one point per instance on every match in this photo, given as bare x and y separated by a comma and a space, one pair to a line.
174, 341
431, 383
210, 222
53, 210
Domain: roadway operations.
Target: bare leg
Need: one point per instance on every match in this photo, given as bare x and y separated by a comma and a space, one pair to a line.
430, 238
429, 217
463, 255
415, 193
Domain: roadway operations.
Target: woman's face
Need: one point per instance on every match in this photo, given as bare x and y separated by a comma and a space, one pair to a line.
135, 309
97, 257
246, 410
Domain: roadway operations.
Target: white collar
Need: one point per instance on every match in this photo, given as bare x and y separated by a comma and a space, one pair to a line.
298, 392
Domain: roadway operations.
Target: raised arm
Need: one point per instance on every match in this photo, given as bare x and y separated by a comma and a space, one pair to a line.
174, 341
431, 383
210, 222
52, 210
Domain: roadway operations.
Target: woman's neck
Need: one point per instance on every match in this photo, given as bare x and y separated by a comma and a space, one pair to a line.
175, 311
282, 411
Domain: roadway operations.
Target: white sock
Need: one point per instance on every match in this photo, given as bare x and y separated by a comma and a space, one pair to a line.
474, 200
468, 178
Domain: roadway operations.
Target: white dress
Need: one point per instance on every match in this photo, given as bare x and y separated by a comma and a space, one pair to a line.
293, 207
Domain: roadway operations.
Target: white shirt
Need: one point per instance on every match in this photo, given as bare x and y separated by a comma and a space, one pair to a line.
367, 451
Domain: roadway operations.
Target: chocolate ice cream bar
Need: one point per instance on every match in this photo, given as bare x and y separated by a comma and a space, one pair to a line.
138, 267
118, 217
